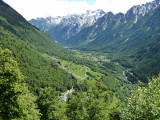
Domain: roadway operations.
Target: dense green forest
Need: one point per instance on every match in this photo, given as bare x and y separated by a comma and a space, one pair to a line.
135, 45
130, 39
40, 80
17, 102
34, 50
29, 45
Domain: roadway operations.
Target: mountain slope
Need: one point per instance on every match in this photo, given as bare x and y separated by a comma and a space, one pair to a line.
62, 28
134, 45
110, 22
30, 46
46, 64
131, 39
142, 47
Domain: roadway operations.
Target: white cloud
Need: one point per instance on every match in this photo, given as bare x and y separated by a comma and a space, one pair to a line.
117, 5
43, 8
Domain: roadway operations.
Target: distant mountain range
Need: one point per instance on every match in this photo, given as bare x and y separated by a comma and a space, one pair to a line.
46, 64
62, 28
41, 60
131, 39
111, 57
111, 22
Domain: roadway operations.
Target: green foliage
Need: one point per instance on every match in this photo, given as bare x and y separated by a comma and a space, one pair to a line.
93, 106
144, 103
91, 100
15, 99
50, 105
30, 48
133, 45
76, 108
28, 45
27, 105
111, 74
99, 102
8, 79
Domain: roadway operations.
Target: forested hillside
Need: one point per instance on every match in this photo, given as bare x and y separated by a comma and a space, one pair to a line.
29, 46
134, 46
16, 101
132, 41
38, 55
40, 80
48, 70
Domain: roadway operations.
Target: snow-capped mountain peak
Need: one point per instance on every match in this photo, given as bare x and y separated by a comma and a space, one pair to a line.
89, 18
71, 24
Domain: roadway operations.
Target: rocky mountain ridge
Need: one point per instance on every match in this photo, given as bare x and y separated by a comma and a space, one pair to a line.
70, 25
140, 10
65, 29
136, 12
111, 21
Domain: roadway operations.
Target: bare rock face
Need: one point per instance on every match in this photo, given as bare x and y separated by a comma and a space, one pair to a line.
63, 27
141, 10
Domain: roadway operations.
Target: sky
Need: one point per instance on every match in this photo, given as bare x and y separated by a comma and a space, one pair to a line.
44, 8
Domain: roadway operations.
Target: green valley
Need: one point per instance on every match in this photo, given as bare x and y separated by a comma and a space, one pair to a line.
133, 45
106, 71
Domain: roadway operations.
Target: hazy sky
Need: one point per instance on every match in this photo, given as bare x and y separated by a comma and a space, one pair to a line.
43, 8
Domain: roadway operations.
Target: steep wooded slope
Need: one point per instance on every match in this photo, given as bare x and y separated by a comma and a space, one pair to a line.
30, 46
33, 51
133, 45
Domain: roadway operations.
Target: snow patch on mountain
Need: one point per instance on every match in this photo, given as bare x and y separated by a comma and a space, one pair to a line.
89, 18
